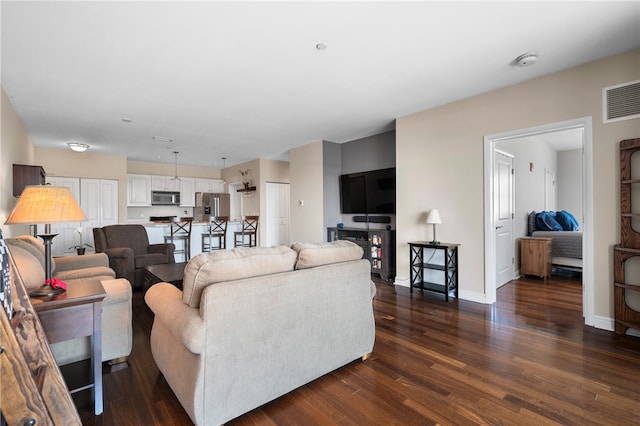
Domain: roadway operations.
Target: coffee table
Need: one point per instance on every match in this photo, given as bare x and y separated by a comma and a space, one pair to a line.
169, 273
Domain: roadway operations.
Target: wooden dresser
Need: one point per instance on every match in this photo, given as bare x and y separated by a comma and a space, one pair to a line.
535, 256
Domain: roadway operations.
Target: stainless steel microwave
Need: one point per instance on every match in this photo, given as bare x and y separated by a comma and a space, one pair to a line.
165, 198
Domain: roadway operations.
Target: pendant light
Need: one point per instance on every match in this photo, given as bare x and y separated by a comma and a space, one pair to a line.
224, 166
175, 153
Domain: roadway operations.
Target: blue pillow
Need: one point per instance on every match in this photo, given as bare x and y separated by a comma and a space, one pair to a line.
567, 221
546, 221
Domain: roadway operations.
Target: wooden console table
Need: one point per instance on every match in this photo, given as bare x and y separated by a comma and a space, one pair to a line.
72, 314
447, 270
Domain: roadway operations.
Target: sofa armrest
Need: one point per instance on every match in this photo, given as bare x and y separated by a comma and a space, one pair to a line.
69, 263
183, 321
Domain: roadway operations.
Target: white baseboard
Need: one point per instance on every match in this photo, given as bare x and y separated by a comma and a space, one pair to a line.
604, 323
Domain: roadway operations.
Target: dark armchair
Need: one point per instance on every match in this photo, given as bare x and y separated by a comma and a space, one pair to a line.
129, 250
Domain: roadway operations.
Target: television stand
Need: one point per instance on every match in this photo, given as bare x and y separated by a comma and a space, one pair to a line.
379, 247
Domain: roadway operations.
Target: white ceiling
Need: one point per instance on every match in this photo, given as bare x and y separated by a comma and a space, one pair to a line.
244, 80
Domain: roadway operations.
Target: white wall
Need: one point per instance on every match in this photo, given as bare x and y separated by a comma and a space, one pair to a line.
570, 182
439, 153
15, 148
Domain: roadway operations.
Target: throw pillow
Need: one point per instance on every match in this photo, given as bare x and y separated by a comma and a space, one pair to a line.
546, 221
567, 221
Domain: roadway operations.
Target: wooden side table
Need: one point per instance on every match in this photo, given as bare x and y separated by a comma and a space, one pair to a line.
535, 256
72, 314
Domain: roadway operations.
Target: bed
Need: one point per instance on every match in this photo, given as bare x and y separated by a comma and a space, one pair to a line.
566, 244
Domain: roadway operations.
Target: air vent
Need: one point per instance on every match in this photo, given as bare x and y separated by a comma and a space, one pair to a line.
621, 102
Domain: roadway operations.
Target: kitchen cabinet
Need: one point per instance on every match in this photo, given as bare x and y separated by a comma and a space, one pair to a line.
138, 190
188, 192
210, 185
164, 183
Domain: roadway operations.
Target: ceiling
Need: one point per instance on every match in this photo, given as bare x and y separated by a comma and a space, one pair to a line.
245, 80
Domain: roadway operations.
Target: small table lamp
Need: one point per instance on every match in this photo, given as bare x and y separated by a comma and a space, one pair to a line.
46, 204
433, 218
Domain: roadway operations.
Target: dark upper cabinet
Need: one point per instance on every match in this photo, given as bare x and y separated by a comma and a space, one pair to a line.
24, 175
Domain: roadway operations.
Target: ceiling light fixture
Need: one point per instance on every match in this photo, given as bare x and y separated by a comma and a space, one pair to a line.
321, 46
176, 176
162, 139
526, 59
78, 147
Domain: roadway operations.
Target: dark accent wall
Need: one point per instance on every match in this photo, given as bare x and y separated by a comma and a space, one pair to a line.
331, 166
370, 153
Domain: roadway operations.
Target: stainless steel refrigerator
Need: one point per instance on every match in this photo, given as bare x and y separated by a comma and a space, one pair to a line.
211, 204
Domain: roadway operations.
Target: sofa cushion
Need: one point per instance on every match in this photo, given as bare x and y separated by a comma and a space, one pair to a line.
75, 274
229, 265
28, 266
318, 254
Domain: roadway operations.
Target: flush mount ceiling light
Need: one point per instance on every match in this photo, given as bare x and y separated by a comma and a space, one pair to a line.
526, 59
78, 147
162, 139
321, 46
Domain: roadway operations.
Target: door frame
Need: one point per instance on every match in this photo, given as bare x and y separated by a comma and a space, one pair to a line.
587, 200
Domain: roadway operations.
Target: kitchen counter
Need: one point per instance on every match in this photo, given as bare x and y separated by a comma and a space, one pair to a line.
157, 230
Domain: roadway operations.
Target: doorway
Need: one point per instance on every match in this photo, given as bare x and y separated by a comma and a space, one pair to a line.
490, 142
277, 214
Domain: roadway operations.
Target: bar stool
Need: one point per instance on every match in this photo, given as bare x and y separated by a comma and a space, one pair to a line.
181, 231
250, 230
218, 231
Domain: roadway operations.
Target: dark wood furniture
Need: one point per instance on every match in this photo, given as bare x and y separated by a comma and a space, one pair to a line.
72, 314
626, 316
535, 256
33, 389
379, 247
434, 267
250, 230
169, 273
217, 230
180, 230
24, 175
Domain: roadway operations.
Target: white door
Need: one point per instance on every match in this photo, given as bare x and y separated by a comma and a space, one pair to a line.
549, 190
99, 201
503, 219
277, 208
62, 245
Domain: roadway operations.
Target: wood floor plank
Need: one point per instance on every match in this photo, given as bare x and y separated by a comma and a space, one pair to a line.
526, 360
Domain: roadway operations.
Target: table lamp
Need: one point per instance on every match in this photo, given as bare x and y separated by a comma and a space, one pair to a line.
45, 204
433, 218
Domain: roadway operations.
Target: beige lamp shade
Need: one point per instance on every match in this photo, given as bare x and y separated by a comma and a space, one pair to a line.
433, 217
46, 204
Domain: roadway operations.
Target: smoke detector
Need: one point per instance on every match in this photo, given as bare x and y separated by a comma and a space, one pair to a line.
526, 59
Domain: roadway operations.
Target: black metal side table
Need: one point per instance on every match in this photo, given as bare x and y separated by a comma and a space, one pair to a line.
421, 254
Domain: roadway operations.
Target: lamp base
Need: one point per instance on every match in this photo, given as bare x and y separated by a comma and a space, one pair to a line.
46, 290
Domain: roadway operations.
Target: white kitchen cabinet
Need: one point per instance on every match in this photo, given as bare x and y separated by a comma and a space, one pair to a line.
164, 183
209, 185
138, 190
187, 192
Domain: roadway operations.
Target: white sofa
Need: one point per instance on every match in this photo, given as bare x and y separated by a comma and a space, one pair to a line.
252, 324
117, 332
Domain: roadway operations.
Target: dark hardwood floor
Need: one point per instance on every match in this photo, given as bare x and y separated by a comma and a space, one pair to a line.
527, 360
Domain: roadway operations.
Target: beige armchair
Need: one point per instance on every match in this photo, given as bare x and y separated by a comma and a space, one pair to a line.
117, 334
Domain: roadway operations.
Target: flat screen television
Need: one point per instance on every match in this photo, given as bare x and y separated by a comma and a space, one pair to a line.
372, 192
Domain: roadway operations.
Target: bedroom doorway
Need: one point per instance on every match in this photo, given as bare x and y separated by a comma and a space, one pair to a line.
491, 142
